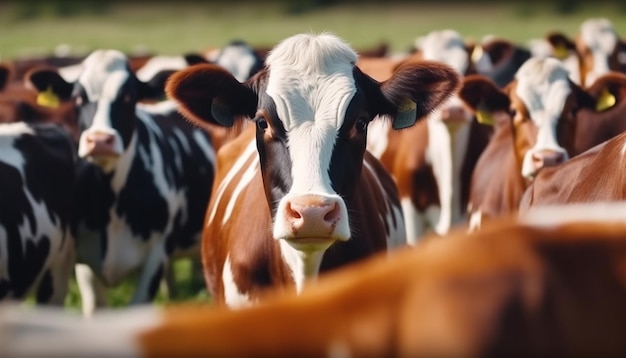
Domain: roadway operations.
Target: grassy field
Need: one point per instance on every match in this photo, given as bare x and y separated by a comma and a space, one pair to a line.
180, 27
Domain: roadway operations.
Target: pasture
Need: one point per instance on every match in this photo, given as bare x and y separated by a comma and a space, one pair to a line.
175, 28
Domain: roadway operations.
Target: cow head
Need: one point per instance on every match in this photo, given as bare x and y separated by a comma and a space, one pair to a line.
448, 47
601, 49
104, 95
543, 103
312, 106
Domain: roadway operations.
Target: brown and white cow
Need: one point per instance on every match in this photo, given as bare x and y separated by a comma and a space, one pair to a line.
554, 287
601, 49
535, 128
433, 160
558, 45
297, 193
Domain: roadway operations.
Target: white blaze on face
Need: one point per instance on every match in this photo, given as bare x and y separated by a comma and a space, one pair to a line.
445, 46
601, 39
543, 87
104, 73
311, 82
238, 59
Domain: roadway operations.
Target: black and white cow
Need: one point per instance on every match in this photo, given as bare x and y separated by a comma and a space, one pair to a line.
36, 187
146, 176
237, 57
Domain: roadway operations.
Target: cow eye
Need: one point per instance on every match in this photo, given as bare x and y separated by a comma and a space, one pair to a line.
512, 112
261, 123
361, 124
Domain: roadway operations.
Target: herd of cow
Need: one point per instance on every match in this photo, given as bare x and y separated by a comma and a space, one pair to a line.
461, 199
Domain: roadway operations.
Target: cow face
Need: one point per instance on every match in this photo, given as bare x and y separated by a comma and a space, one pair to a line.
601, 49
312, 106
543, 104
105, 95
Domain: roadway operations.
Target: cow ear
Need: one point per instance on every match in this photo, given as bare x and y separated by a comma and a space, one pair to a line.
5, 73
209, 93
483, 97
607, 91
52, 88
561, 45
415, 90
194, 59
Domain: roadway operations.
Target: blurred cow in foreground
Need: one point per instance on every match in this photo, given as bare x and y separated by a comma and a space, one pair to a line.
547, 284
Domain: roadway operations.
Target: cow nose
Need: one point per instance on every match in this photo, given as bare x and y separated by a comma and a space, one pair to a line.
453, 113
547, 158
100, 144
312, 215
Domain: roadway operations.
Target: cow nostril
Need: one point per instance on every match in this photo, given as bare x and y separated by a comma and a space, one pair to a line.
109, 140
292, 213
333, 213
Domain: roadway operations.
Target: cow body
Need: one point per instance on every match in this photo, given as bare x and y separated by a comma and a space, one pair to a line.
596, 175
36, 240
552, 288
309, 194
433, 160
145, 177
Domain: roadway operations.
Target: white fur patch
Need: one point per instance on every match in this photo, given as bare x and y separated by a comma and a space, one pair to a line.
554, 215
245, 157
160, 63
543, 87
311, 83
445, 46
238, 60
600, 38
446, 153
378, 136
233, 297
58, 333
304, 265
397, 233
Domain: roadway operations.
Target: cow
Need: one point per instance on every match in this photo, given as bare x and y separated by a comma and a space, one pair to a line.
18, 103
535, 126
144, 176
432, 161
547, 284
36, 237
297, 194
595, 175
600, 48
558, 45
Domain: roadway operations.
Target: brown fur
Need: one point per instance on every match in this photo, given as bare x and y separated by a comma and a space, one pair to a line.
596, 175
555, 291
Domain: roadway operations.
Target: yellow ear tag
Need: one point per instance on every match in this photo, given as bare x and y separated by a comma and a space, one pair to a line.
606, 101
407, 114
560, 52
48, 98
477, 53
483, 116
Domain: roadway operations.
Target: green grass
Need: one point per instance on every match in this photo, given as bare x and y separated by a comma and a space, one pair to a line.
178, 27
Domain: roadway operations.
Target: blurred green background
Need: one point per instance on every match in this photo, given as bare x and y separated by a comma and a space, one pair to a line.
38, 26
